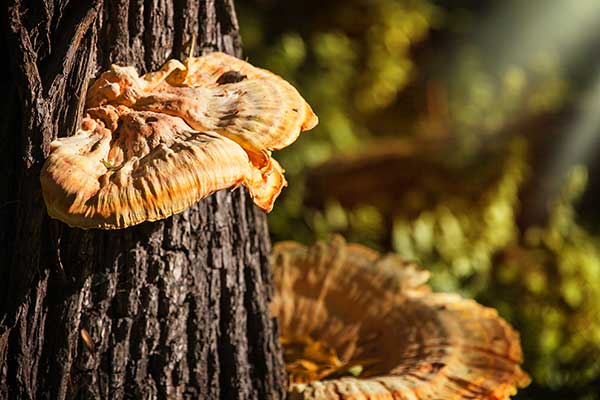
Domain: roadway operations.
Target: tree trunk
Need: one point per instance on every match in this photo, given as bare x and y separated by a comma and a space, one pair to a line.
173, 309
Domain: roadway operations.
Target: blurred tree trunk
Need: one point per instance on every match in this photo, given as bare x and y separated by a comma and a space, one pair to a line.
174, 309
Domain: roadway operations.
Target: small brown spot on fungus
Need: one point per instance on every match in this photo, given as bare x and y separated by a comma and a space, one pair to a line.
230, 77
356, 324
88, 124
150, 146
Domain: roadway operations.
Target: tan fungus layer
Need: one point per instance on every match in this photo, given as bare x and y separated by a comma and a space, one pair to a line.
376, 310
151, 146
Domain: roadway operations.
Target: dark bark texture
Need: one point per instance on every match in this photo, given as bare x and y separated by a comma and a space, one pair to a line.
172, 309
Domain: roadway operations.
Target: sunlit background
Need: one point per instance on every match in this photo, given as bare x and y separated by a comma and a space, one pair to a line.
464, 135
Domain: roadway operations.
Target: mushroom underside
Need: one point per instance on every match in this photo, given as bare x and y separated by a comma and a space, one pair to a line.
385, 334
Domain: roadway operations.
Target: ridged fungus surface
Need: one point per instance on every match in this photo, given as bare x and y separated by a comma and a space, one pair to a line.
150, 146
356, 324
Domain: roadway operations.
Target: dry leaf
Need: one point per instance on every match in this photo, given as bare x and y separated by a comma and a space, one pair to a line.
87, 339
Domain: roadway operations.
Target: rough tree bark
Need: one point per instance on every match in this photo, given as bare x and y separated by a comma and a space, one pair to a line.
176, 308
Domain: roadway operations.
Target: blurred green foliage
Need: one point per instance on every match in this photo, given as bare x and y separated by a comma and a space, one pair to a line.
458, 240
548, 284
415, 73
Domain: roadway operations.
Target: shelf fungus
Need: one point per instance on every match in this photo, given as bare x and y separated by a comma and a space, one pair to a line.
355, 324
150, 146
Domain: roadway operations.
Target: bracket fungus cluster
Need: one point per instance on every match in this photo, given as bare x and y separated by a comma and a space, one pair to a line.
359, 325
150, 146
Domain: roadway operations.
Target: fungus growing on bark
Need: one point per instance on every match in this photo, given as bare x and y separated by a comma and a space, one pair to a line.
355, 324
151, 146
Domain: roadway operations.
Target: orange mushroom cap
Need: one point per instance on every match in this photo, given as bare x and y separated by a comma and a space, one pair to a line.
151, 146
375, 312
